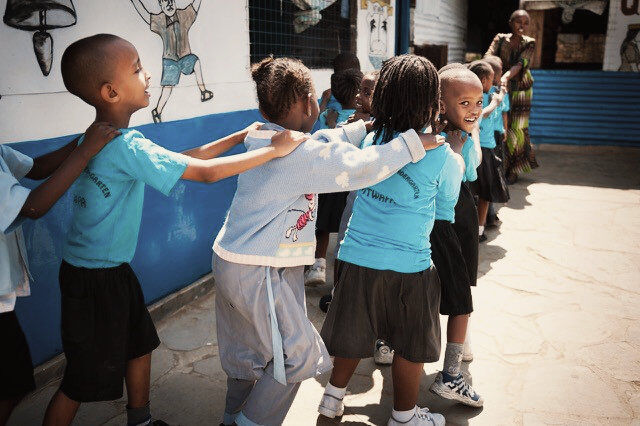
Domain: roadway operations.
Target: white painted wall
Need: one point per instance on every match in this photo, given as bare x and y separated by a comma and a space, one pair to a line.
617, 31
36, 107
441, 22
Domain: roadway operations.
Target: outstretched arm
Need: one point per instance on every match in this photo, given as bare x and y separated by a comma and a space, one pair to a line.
196, 5
222, 145
46, 164
41, 199
142, 11
217, 169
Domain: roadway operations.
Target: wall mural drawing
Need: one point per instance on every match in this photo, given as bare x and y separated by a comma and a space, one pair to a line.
630, 49
378, 13
40, 16
172, 25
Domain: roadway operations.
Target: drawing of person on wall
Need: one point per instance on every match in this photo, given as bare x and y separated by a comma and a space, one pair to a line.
172, 25
630, 50
378, 12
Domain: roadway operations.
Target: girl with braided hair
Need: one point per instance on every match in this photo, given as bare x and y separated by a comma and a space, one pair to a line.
387, 287
267, 344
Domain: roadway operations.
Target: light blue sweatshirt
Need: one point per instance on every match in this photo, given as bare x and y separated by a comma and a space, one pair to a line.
271, 218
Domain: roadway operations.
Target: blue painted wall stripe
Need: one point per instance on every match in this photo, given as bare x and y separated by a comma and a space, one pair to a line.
174, 247
585, 108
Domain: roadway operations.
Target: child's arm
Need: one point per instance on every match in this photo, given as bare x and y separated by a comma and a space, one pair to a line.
46, 164
217, 169
324, 100
220, 146
41, 199
496, 100
323, 167
449, 183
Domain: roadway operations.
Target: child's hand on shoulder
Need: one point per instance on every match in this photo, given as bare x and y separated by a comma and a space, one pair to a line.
256, 125
287, 141
97, 136
431, 141
456, 140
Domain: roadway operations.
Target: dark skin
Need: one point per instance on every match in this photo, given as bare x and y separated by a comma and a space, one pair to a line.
519, 26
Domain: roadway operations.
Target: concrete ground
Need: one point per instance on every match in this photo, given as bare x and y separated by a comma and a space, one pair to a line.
555, 332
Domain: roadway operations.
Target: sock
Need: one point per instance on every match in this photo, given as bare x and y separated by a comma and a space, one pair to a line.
139, 416
480, 230
467, 342
335, 391
321, 261
453, 358
403, 416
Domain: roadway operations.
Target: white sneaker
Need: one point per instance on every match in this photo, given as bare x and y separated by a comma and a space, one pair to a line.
317, 273
467, 355
456, 389
383, 354
422, 417
331, 406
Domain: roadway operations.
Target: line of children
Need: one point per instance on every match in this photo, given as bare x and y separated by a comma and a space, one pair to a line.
387, 287
491, 186
267, 345
107, 333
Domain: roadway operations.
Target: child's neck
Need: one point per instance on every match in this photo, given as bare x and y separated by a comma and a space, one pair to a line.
450, 128
118, 119
349, 105
290, 123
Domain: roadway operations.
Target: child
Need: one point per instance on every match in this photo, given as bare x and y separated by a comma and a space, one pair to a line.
490, 187
454, 238
344, 86
343, 61
502, 125
364, 97
387, 287
107, 333
62, 167
267, 345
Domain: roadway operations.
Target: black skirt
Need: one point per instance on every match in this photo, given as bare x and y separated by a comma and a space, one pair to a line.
16, 369
466, 228
330, 208
491, 185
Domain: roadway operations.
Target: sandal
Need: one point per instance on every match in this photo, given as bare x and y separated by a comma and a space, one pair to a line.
156, 116
206, 95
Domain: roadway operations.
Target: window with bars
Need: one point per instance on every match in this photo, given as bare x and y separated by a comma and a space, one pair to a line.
271, 31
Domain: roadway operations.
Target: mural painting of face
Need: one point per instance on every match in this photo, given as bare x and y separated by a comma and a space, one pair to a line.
377, 17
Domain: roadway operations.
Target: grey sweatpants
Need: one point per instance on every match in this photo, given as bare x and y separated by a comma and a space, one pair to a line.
264, 402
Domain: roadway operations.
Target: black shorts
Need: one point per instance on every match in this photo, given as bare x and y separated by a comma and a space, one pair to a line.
16, 368
370, 304
491, 185
330, 208
447, 256
105, 323
466, 228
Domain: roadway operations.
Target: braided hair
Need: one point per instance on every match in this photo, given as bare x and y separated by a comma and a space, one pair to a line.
280, 83
406, 96
345, 85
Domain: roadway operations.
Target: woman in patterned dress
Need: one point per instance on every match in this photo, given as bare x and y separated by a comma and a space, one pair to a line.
516, 51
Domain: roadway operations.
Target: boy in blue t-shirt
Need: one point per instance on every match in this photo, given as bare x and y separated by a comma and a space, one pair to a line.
107, 333
17, 202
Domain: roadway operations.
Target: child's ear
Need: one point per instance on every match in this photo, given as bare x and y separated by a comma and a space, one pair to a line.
308, 108
108, 93
443, 108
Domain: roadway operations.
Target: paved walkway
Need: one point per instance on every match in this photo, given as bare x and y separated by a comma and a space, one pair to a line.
556, 331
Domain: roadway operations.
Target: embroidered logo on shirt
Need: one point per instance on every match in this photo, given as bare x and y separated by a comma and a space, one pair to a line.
106, 192
377, 196
412, 184
305, 217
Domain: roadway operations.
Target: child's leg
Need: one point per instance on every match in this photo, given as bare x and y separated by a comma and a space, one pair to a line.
61, 410
406, 383
483, 208
138, 381
322, 243
343, 369
268, 402
238, 391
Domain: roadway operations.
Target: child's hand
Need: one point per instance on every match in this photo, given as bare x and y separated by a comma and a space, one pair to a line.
326, 95
253, 126
286, 141
332, 118
97, 136
431, 141
456, 141
358, 115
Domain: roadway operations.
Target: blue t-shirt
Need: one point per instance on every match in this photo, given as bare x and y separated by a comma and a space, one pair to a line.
488, 124
108, 198
391, 221
504, 106
471, 159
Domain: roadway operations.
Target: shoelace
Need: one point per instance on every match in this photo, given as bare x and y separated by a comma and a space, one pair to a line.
460, 386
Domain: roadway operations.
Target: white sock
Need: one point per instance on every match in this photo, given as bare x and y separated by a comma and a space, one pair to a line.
403, 416
480, 230
335, 392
